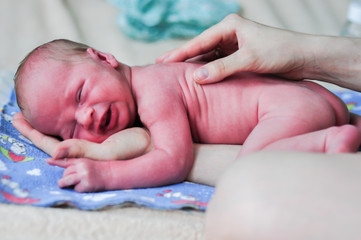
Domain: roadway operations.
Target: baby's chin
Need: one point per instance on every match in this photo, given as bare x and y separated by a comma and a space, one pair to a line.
96, 139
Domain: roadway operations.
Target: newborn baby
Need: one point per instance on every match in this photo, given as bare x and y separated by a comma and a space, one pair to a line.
69, 90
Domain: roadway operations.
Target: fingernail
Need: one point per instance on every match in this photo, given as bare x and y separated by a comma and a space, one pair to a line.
166, 58
16, 117
61, 154
159, 59
201, 74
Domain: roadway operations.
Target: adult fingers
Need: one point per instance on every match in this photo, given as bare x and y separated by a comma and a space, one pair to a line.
216, 53
203, 43
218, 69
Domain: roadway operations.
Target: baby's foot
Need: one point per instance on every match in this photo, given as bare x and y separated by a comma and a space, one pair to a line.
346, 138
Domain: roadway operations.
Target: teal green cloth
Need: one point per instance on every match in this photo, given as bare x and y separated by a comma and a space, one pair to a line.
152, 20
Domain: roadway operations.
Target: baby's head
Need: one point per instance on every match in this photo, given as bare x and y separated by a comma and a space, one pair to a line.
60, 50
69, 90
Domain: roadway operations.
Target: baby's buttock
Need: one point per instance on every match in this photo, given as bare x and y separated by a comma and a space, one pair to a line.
339, 107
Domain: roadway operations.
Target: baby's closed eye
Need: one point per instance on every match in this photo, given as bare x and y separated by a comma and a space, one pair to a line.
79, 94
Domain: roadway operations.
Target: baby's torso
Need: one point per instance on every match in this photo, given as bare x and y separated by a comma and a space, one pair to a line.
224, 112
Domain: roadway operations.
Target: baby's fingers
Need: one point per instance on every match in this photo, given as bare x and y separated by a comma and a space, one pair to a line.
69, 180
80, 177
70, 175
79, 148
71, 148
64, 163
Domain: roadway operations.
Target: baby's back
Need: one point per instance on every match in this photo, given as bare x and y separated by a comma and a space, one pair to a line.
226, 112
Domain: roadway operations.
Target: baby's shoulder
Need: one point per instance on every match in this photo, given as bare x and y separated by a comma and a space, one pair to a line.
157, 78
157, 87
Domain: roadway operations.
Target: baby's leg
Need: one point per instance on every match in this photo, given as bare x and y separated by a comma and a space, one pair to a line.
286, 133
346, 138
283, 195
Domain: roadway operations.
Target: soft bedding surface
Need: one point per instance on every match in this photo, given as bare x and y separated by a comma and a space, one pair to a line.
26, 24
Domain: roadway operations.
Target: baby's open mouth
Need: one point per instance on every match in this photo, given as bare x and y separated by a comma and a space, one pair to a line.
105, 120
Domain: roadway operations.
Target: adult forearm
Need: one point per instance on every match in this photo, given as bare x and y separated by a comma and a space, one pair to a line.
335, 60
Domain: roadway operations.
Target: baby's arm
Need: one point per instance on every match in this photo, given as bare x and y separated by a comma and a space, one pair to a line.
125, 144
169, 162
46, 143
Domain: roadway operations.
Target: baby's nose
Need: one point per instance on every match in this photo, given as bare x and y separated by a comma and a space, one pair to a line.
84, 116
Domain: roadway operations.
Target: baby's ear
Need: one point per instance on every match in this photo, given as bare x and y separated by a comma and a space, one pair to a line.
103, 57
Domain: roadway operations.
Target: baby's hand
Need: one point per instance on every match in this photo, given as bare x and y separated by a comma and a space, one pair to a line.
126, 144
78, 148
85, 175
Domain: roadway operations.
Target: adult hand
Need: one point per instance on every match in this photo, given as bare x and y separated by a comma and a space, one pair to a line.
237, 44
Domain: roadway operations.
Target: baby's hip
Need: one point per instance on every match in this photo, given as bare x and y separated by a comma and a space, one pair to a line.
338, 106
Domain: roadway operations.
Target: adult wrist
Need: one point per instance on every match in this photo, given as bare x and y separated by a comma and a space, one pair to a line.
335, 60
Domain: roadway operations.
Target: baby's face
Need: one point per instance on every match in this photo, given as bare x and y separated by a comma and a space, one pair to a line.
89, 100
